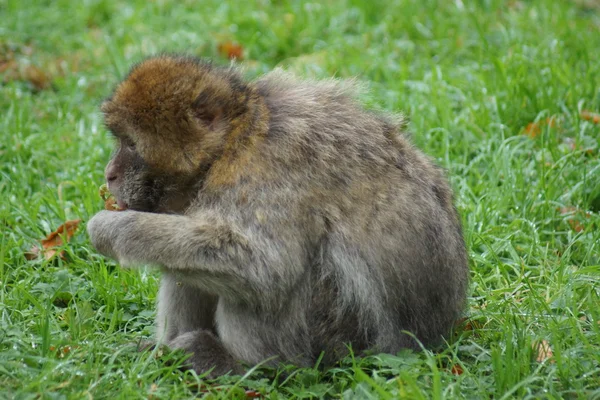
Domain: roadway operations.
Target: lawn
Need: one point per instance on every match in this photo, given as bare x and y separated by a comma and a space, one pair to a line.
504, 94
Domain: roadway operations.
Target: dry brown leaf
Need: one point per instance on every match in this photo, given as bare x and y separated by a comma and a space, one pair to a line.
36, 76
231, 50
573, 213
456, 369
543, 351
12, 71
8, 65
534, 129
468, 324
53, 241
590, 116
15, 65
63, 351
576, 225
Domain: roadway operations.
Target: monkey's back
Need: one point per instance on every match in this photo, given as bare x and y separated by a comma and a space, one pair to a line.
379, 242
391, 256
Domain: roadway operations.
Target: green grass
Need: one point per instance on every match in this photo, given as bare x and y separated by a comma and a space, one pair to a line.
470, 75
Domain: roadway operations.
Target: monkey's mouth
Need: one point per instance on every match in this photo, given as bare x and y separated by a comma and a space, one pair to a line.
122, 205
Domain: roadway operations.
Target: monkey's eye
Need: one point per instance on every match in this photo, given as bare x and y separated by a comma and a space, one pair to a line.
128, 144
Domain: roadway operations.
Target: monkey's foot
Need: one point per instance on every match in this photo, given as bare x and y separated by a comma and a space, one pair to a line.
207, 353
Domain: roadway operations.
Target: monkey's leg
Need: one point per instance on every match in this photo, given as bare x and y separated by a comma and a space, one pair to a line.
183, 308
207, 353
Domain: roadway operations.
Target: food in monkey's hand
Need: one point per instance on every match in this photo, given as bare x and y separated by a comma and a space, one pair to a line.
110, 203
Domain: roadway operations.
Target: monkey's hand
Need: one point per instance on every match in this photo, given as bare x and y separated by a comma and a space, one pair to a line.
170, 241
105, 230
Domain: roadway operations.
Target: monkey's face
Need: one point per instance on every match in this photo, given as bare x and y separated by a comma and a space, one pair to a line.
131, 180
138, 186
170, 116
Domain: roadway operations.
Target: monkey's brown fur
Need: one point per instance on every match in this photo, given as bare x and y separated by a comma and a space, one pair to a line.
287, 219
218, 109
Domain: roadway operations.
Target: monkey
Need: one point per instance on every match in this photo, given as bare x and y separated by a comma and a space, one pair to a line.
288, 221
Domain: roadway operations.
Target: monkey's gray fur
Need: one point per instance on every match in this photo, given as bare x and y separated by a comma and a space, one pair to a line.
313, 223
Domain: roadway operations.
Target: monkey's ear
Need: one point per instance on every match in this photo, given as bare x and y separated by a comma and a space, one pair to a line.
213, 106
208, 108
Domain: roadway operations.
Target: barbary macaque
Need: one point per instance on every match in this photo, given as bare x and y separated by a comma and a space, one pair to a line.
287, 220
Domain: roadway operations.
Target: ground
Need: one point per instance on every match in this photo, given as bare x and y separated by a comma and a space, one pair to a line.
504, 94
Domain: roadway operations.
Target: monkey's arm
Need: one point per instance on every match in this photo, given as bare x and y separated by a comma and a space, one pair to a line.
206, 249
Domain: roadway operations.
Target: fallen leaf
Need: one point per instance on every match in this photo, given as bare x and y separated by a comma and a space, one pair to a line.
590, 116
533, 129
8, 65
468, 324
575, 225
567, 210
37, 77
456, 369
543, 351
572, 214
63, 351
15, 65
53, 241
13, 71
231, 50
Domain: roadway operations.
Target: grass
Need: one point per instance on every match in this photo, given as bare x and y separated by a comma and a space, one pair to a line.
471, 75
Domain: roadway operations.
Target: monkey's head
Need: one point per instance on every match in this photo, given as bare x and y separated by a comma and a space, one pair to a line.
170, 117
